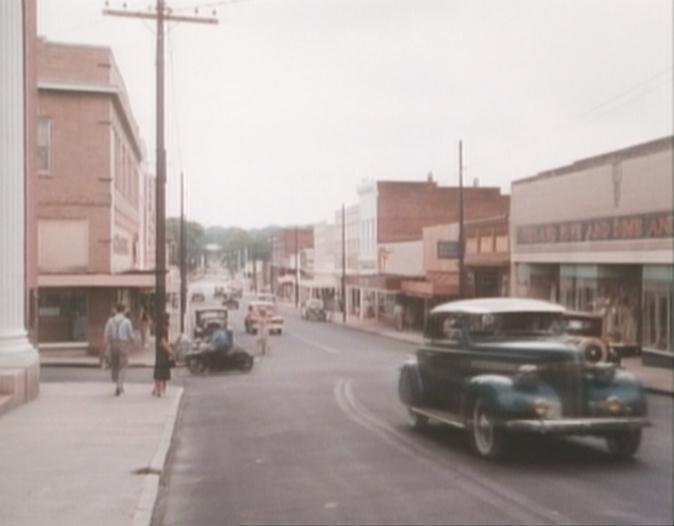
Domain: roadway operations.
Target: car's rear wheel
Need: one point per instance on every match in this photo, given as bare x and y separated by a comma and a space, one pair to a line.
624, 444
486, 439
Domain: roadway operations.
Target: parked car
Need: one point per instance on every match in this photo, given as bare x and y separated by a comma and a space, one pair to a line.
208, 319
496, 367
266, 296
313, 309
251, 321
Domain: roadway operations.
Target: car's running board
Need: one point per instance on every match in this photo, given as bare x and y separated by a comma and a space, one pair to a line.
441, 416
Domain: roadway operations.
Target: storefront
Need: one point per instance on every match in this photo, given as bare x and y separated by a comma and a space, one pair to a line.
73, 309
597, 236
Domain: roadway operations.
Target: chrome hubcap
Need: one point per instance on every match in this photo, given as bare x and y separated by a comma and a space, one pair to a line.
483, 430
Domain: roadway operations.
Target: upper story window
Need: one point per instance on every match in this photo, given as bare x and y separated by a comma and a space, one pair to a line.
43, 145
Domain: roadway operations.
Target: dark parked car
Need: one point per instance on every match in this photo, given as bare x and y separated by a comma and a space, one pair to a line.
313, 309
500, 366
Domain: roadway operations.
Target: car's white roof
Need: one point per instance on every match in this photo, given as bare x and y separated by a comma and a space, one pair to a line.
498, 305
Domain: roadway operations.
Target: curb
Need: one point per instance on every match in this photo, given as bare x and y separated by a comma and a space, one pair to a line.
142, 515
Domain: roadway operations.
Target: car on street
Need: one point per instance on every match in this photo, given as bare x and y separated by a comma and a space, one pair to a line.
496, 367
255, 308
266, 296
206, 320
313, 309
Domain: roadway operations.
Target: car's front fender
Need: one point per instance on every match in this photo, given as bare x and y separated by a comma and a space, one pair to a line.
503, 397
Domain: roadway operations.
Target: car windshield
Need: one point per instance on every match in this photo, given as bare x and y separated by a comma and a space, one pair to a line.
514, 324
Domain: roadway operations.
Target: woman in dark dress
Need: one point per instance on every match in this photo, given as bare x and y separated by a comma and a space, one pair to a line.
162, 366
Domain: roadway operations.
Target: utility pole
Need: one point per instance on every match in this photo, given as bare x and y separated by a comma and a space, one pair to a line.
343, 263
162, 15
183, 256
297, 268
462, 290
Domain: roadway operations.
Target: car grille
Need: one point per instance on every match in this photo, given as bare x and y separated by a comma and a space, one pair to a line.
567, 381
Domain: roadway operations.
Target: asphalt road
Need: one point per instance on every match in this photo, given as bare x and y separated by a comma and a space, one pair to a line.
315, 435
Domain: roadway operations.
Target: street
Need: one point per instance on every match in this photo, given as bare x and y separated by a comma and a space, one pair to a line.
316, 434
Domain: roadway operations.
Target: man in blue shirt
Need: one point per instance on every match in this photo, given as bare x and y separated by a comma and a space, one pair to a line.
118, 336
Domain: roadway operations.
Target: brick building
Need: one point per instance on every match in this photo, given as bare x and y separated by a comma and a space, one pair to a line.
288, 245
392, 216
95, 219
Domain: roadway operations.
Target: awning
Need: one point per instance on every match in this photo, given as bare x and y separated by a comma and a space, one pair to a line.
429, 289
143, 280
319, 283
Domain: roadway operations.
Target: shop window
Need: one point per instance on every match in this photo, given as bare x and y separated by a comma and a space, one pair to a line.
613, 291
658, 308
43, 145
537, 281
63, 316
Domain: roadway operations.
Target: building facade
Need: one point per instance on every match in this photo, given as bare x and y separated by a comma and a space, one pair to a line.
95, 231
597, 236
393, 215
286, 267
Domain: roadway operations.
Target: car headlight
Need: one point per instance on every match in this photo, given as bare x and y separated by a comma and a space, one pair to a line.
546, 408
610, 406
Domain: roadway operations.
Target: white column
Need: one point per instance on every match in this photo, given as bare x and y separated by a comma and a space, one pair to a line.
15, 349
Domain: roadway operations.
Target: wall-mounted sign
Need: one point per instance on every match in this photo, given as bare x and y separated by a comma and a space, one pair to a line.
448, 249
638, 226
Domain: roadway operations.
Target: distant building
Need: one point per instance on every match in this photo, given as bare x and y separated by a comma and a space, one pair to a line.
392, 218
288, 245
95, 208
597, 235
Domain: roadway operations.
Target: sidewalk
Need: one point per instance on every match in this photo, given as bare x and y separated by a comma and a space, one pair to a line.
79, 455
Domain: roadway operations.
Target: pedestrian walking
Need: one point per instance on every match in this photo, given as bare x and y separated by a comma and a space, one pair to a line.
144, 328
164, 361
263, 333
118, 336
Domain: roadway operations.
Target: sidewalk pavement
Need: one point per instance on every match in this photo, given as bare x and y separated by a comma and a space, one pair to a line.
79, 455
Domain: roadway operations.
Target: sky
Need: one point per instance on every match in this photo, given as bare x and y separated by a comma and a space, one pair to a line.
277, 113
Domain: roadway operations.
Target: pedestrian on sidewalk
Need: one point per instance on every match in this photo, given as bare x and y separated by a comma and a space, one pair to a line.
118, 336
164, 361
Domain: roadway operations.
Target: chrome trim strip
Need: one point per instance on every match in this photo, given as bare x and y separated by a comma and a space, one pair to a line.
576, 424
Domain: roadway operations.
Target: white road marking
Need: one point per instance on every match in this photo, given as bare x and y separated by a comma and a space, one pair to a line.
324, 348
519, 508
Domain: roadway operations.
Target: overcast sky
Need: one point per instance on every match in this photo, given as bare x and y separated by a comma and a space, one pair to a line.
278, 112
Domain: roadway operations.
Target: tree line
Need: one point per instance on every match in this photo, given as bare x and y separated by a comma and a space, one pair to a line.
234, 242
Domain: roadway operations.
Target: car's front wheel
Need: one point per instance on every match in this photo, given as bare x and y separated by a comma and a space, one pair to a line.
486, 439
416, 420
196, 366
624, 444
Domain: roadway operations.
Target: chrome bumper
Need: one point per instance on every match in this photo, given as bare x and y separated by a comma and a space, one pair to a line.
577, 426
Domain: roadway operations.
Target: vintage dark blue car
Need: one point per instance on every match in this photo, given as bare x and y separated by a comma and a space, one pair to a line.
501, 366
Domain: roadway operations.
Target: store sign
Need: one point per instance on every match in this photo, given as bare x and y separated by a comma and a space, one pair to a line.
656, 225
448, 249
